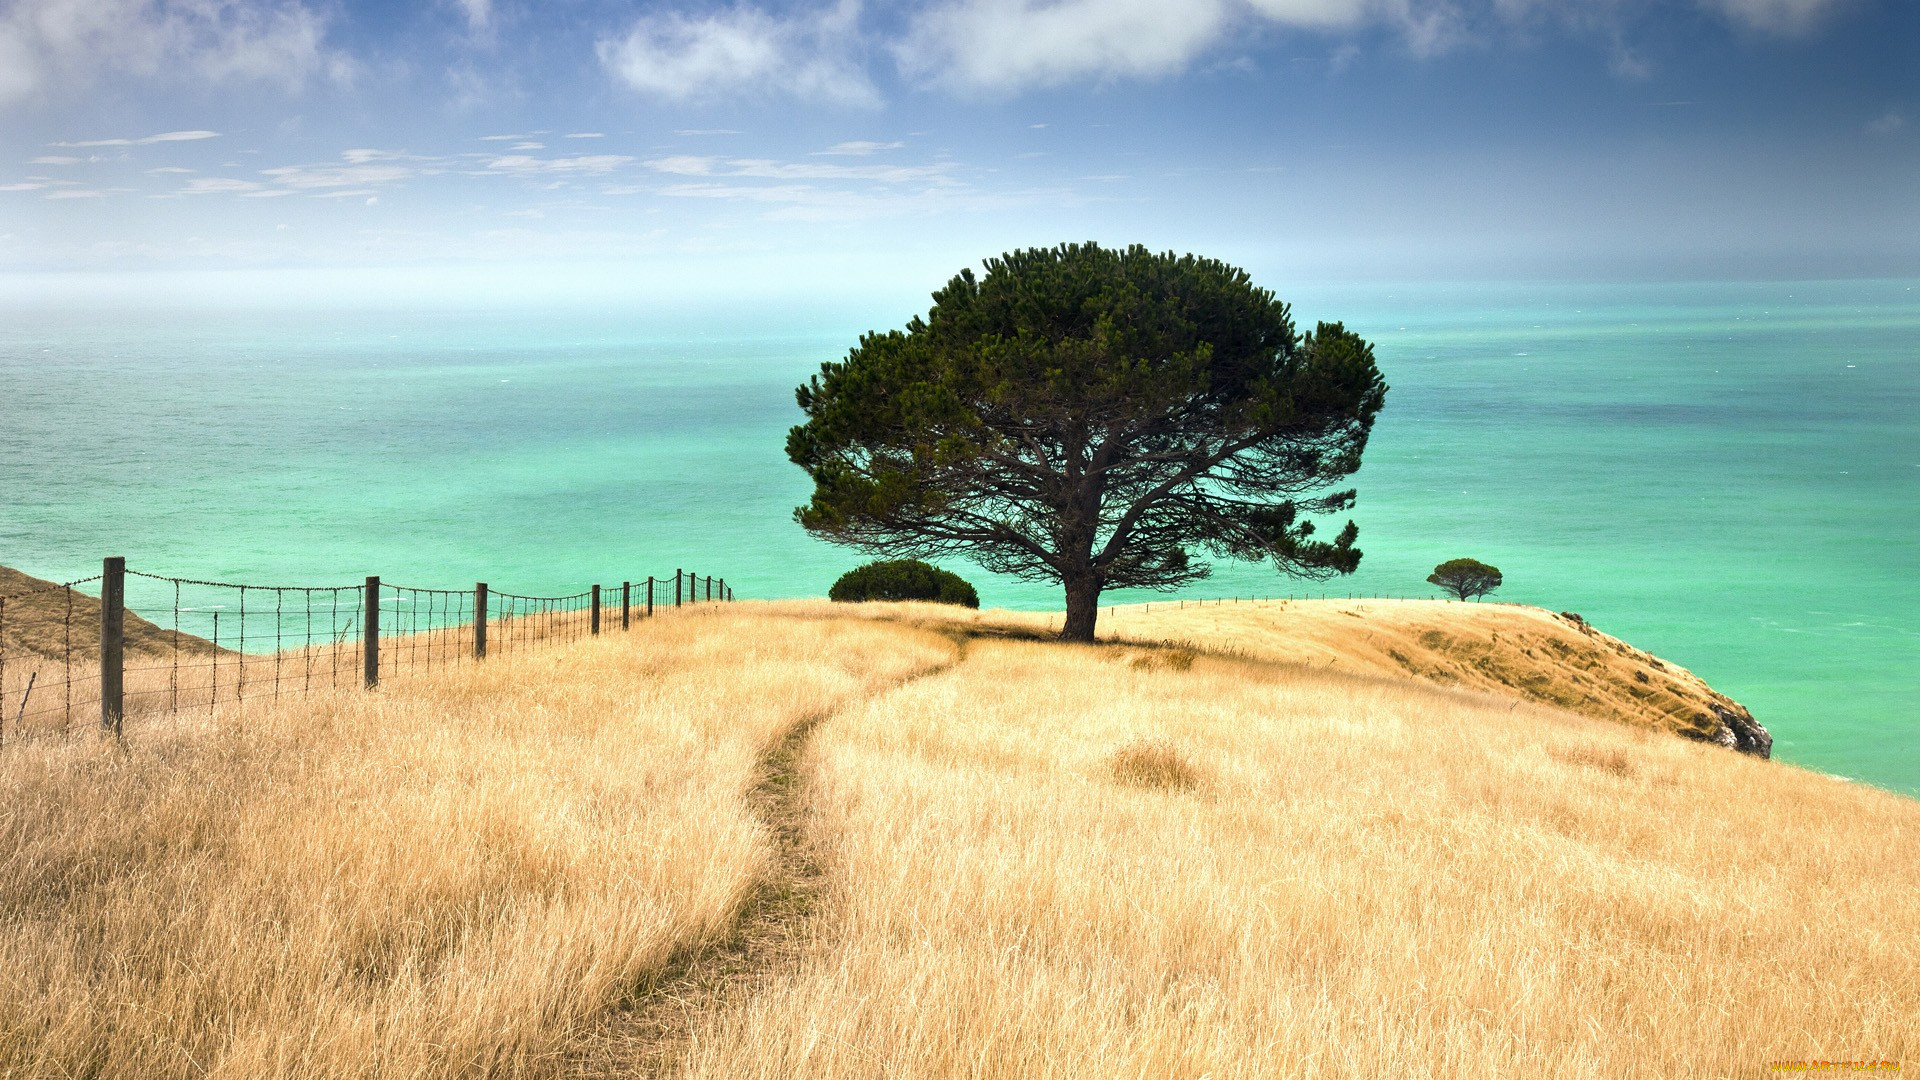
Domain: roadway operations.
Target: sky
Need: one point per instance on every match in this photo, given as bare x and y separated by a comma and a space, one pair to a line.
521, 146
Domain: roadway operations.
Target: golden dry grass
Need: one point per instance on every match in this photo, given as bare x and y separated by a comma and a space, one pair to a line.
450, 877
1501, 648
1135, 859
1379, 878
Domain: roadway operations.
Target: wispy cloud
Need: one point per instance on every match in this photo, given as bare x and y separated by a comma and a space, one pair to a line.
56, 160
1005, 47
56, 45
313, 177
1886, 123
478, 13
857, 148
146, 140
364, 155
745, 51
217, 185
590, 164
587, 135
768, 169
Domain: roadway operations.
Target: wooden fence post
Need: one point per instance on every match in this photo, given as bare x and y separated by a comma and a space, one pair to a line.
709, 586
595, 629
676, 588
113, 641
370, 632
480, 621
626, 602
649, 596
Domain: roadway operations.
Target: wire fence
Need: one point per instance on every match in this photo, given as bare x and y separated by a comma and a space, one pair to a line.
81, 653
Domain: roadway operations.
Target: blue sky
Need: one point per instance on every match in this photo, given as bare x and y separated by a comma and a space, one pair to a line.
800, 144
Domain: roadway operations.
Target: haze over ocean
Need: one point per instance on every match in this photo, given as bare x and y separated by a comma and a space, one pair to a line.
1725, 474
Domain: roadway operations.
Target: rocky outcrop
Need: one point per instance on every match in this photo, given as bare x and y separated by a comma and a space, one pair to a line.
1730, 725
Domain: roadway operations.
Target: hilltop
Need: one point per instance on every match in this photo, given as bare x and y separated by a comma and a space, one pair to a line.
1552, 659
41, 619
764, 840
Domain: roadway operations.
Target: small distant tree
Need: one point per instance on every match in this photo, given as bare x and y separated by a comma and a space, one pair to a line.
1097, 418
903, 579
1466, 578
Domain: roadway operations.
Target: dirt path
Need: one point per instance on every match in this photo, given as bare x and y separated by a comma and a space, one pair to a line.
648, 1036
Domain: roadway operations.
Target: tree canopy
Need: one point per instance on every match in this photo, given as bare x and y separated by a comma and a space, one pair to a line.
1095, 417
1465, 578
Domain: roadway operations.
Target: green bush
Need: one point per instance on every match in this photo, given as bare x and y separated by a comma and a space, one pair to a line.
903, 579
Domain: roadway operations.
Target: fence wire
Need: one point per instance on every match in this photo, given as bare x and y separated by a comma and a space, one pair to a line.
192, 646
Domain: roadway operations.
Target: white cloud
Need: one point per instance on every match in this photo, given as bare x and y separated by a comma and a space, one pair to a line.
1002, 46
696, 132
587, 135
217, 185
75, 193
164, 169
24, 186
765, 169
318, 177
56, 160
147, 140
857, 148
528, 146
591, 164
363, 155
744, 51
52, 45
1886, 123
501, 138
478, 13
1785, 17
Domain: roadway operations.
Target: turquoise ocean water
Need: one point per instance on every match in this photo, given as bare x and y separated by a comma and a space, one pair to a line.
1725, 474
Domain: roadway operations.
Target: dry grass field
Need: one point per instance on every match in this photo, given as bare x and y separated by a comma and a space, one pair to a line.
1207, 850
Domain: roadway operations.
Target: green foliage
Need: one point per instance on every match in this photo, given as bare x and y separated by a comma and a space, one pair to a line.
903, 579
1094, 417
1466, 578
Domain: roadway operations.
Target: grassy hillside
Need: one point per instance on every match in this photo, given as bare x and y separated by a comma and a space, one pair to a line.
41, 620
1548, 658
803, 840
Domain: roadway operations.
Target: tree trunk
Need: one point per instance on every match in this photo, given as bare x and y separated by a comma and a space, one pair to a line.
1083, 607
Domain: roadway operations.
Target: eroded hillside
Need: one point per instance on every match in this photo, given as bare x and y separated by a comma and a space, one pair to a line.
1552, 659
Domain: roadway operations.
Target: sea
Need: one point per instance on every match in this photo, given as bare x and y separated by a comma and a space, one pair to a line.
1724, 473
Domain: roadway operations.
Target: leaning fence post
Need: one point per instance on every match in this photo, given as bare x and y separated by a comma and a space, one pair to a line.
113, 624
370, 632
649, 596
676, 588
626, 602
595, 628
480, 621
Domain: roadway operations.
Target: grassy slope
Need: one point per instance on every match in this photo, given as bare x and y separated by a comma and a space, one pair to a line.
1364, 874
1496, 648
37, 622
1367, 877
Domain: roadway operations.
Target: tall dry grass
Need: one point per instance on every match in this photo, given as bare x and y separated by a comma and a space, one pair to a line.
1355, 877
452, 876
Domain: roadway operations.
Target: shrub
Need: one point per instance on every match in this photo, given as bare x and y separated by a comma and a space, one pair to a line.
903, 579
1153, 763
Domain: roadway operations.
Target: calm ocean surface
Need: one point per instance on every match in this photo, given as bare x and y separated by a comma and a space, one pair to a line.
1725, 474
